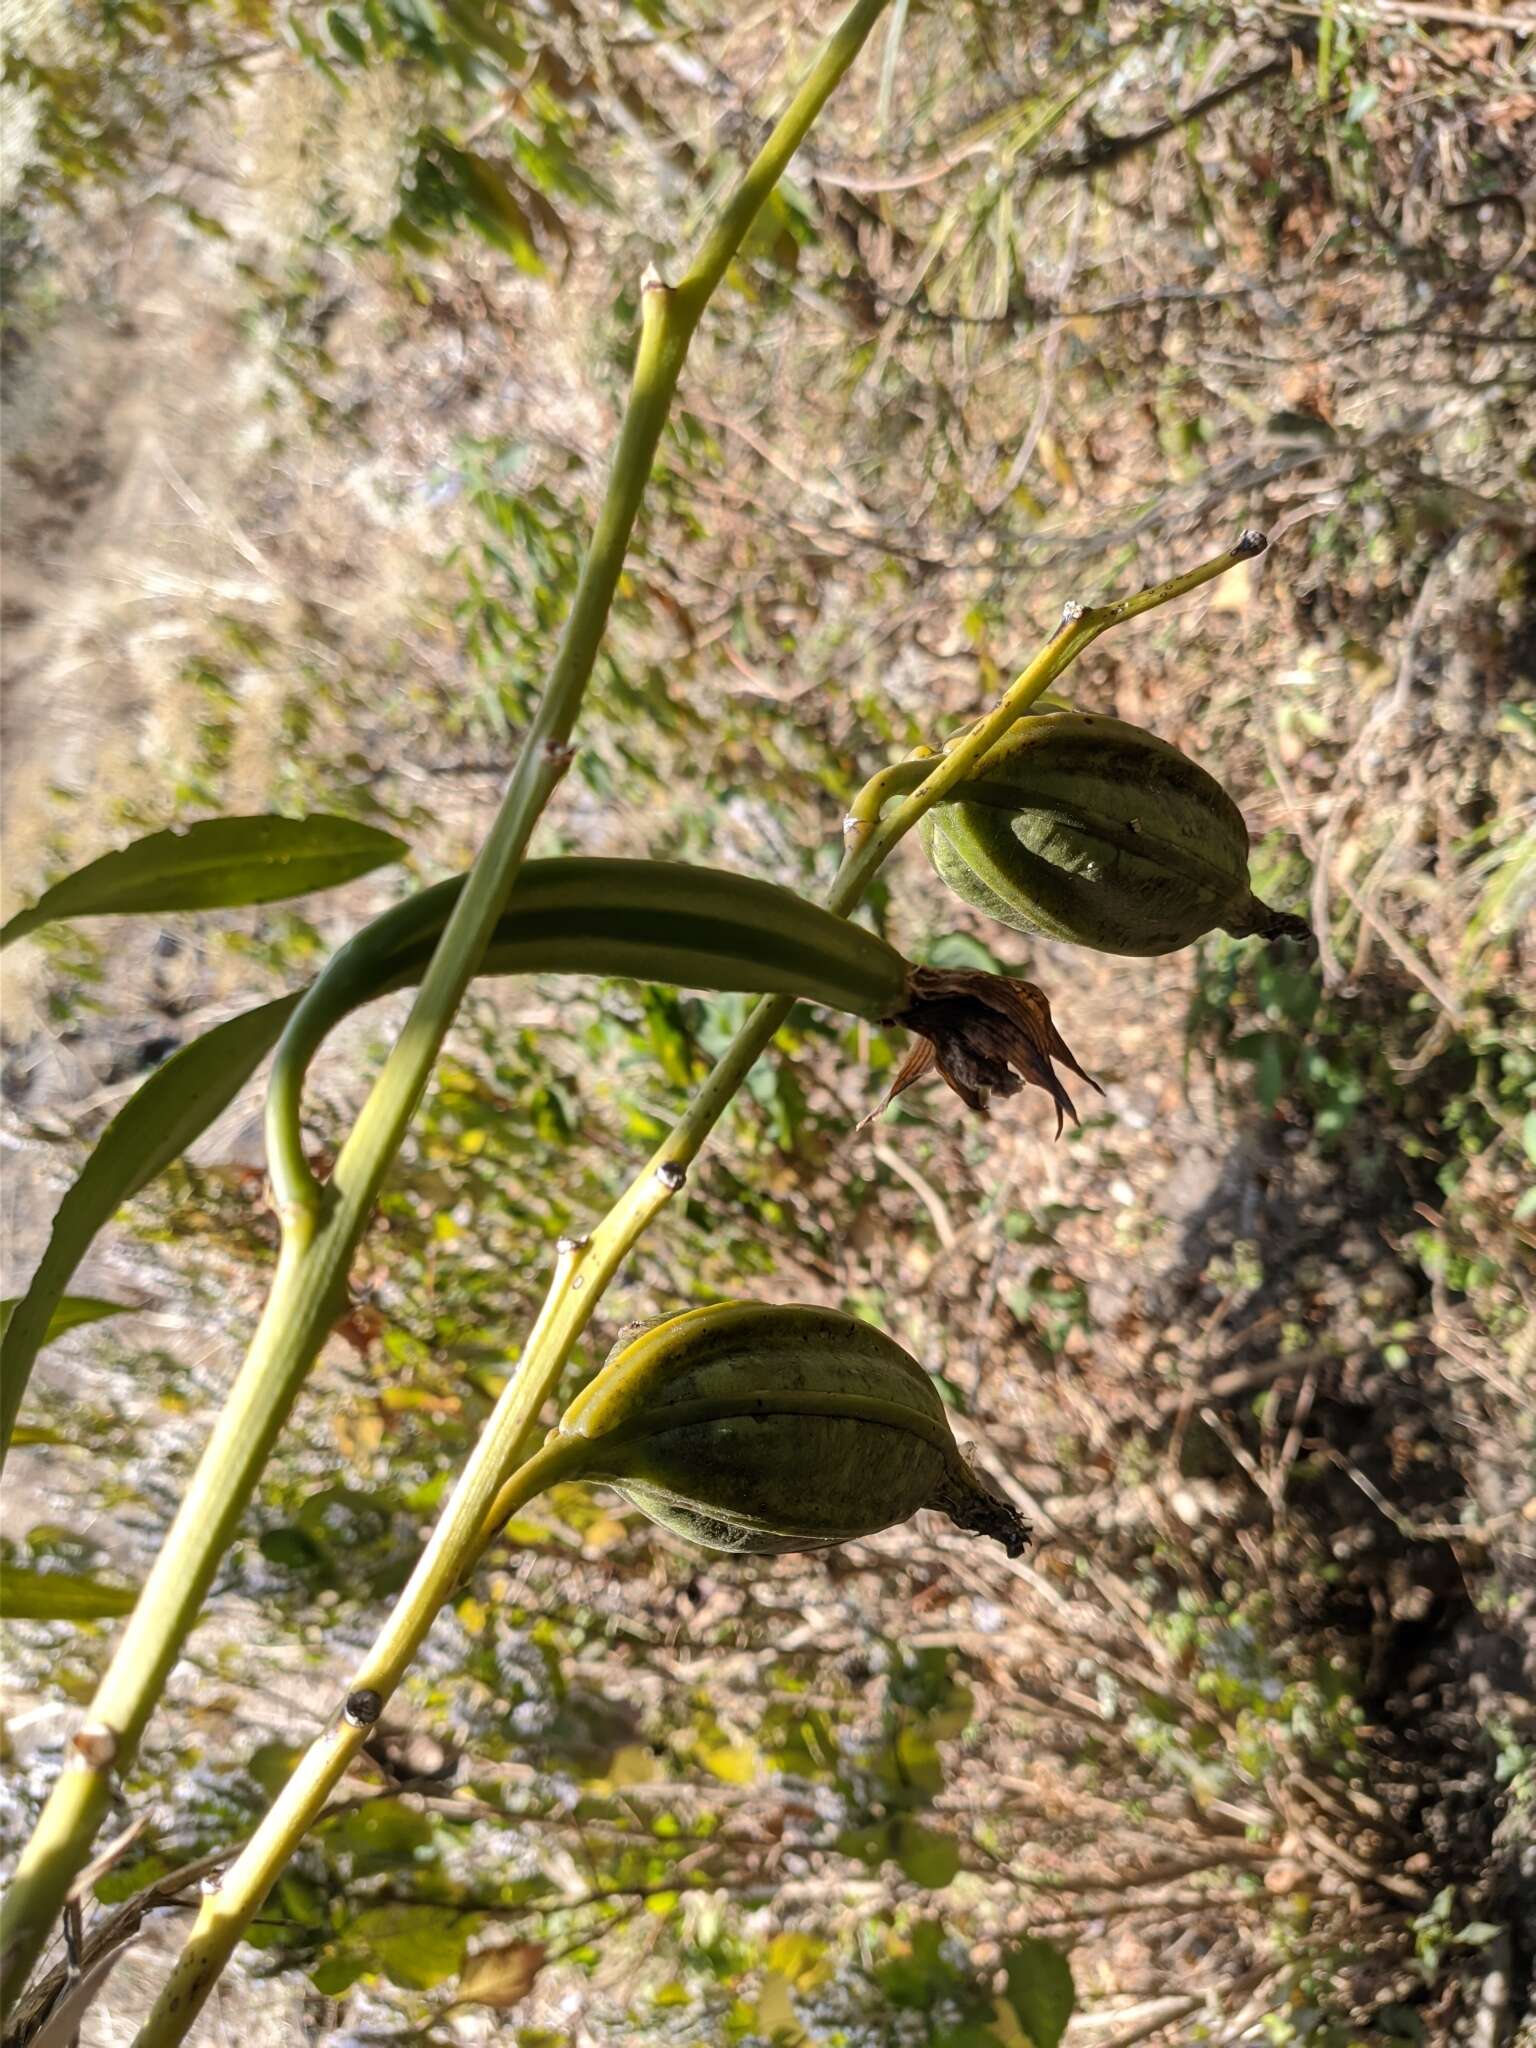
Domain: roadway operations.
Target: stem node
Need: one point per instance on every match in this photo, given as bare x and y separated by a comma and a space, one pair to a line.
95, 1746
317, 1253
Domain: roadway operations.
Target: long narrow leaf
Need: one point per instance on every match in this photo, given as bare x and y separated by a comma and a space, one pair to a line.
26, 1595
181, 1098
69, 1314
176, 1103
215, 864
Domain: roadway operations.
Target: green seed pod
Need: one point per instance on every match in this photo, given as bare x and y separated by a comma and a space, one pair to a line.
765, 1427
1087, 829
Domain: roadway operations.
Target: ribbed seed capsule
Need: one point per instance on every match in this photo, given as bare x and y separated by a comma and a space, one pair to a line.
1094, 831
768, 1427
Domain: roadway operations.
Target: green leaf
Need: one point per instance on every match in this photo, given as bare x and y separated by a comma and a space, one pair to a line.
292, 1549
471, 23
926, 1856
272, 1765
212, 865
177, 1102
870, 1845
346, 37
69, 1313
416, 1946
113, 1886
337, 1973
382, 1836
1478, 1933
494, 209
667, 1030
731, 1764
960, 949
27, 1595
1040, 1990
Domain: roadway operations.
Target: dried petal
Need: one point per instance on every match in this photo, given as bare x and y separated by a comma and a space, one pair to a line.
987, 1035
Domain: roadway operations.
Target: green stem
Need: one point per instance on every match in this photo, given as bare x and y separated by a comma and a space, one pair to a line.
869, 840
226, 1912
481, 1502
322, 1226
578, 1286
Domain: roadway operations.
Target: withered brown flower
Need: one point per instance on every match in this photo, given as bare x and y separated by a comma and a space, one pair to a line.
987, 1035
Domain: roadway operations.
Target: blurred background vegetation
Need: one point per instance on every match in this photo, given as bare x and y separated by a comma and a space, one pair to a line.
317, 321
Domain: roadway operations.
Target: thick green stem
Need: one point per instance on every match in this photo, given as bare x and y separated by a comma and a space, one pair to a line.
226, 1912
301, 1306
322, 1226
482, 1501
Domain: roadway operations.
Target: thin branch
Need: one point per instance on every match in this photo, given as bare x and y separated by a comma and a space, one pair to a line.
1105, 150
1386, 13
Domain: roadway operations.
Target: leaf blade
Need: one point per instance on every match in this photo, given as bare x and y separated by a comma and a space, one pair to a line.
217, 863
27, 1595
70, 1312
1040, 1989
177, 1102
500, 1977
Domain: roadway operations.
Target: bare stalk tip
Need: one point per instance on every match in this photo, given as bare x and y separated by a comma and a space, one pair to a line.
971, 1504
95, 1746
1259, 921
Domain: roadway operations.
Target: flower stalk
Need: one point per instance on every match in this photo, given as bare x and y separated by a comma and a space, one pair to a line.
323, 1224
501, 1476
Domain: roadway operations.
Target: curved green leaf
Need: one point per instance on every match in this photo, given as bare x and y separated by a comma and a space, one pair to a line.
181, 1098
69, 1313
26, 1595
176, 1103
215, 864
